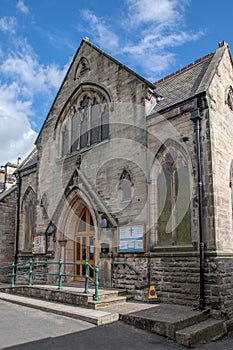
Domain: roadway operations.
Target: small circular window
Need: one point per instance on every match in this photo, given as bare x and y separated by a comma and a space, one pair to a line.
229, 99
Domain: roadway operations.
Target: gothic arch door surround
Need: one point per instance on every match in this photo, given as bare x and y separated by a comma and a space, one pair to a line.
84, 244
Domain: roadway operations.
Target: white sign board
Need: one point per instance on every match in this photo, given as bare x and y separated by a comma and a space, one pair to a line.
39, 244
131, 238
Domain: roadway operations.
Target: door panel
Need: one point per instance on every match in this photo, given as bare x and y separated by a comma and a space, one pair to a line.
84, 244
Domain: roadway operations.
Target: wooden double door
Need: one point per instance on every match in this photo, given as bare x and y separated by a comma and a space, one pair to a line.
84, 244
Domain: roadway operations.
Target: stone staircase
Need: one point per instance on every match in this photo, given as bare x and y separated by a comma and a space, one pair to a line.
200, 333
69, 295
108, 298
181, 324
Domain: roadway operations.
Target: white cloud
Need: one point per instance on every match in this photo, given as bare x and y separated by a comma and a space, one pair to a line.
151, 11
30, 74
159, 41
102, 33
25, 79
153, 51
154, 28
8, 24
16, 134
22, 7
163, 12
154, 63
23, 67
177, 39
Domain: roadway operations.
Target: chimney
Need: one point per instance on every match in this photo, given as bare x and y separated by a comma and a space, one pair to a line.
18, 161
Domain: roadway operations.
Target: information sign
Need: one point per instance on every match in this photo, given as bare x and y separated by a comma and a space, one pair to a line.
131, 238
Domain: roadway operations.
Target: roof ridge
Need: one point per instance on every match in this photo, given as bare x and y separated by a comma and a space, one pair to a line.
189, 66
28, 158
7, 192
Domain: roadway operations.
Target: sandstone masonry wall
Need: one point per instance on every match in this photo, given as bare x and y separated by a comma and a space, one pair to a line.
221, 126
101, 164
7, 227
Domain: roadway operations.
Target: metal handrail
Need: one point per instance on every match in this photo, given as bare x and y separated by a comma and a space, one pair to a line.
124, 263
30, 272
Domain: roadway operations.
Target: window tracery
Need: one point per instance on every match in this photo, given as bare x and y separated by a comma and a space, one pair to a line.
125, 186
65, 140
229, 98
83, 67
173, 198
86, 124
44, 205
29, 215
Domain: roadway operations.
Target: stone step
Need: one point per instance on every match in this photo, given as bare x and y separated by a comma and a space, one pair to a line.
166, 320
106, 302
69, 295
201, 333
96, 317
110, 294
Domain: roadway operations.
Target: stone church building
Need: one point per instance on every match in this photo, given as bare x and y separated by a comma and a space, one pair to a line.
134, 176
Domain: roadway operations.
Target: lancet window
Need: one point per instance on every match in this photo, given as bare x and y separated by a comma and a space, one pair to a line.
125, 186
173, 198
29, 212
86, 124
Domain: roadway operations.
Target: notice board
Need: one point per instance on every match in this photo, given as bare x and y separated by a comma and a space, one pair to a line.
131, 238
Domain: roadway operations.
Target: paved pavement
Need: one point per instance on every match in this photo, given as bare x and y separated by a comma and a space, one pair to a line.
22, 325
23, 328
96, 317
161, 312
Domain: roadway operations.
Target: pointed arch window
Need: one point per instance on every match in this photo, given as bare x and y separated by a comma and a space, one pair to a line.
29, 215
65, 141
44, 205
84, 121
95, 122
105, 123
84, 131
83, 67
229, 99
125, 186
87, 125
83, 222
173, 198
74, 132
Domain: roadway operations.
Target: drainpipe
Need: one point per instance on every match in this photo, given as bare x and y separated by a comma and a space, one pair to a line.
16, 250
196, 118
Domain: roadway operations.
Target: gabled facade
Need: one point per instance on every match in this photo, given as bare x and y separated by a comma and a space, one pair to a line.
116, 177
7, 176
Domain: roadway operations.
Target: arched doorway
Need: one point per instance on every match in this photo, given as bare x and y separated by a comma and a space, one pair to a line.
84, 247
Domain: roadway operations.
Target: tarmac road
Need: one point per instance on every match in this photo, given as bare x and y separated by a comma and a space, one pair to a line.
22, 328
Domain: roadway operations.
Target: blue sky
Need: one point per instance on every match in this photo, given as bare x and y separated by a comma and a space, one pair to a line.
39, 38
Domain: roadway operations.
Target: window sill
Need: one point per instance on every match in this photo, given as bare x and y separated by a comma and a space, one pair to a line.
169, 248
82, 150
179, 250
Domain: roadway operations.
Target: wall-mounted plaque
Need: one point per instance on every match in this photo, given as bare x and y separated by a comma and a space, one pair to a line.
131, 239
39, 244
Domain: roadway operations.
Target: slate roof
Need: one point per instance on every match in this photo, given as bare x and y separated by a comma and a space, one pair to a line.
30, 161
182, 84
